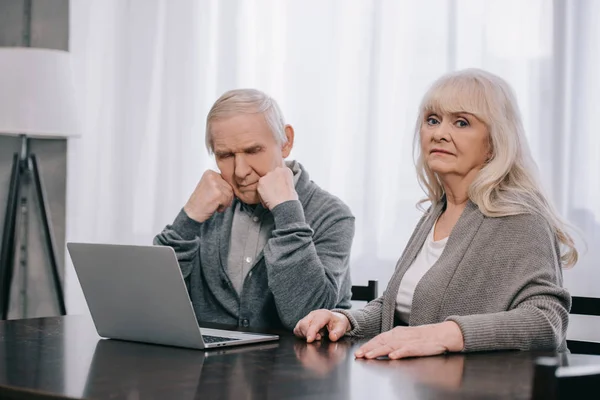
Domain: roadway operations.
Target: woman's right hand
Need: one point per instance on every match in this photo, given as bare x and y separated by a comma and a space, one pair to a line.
312, 327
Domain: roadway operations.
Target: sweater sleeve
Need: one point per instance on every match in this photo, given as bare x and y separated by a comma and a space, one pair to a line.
305, 270
365, 322
182, 236
538, 316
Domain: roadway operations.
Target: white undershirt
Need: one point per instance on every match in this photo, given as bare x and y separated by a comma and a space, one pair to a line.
429, 254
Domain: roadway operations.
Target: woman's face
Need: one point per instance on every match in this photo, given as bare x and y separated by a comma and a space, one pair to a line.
454, 144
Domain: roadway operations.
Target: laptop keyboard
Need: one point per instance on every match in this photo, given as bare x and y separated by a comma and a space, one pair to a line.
216, 339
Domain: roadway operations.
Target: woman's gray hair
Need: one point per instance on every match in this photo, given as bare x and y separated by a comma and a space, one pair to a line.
246, 101
508, 183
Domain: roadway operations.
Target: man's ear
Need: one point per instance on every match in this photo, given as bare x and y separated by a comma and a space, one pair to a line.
286, 148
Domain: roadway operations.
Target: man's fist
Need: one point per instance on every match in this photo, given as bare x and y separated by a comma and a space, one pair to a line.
211, 194
277, 187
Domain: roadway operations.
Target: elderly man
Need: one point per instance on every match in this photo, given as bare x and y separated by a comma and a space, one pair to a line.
259, 244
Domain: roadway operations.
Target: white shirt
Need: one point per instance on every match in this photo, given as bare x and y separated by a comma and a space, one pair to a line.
429, 254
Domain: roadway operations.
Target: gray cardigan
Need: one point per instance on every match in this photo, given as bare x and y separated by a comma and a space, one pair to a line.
499, 279
303, 267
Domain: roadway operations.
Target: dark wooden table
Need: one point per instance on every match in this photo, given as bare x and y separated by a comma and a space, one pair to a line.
63, 357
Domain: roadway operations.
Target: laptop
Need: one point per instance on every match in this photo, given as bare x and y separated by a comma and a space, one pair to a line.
137, 293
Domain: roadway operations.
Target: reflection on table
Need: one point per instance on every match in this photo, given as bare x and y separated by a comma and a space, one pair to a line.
64, 357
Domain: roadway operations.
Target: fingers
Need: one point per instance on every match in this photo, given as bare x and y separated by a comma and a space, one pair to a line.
216, 183
376, 347
314, 328
224, 182
285, 169
399, 346
316, 325
310, 326
212, 194
213, 176
337, 326
365, 348
403, 352
298, 329
224, 187
301, 331
225, 198
261, 201
302, 326
379, 351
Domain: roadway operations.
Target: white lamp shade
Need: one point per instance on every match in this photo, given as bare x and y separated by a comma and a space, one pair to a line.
37, 96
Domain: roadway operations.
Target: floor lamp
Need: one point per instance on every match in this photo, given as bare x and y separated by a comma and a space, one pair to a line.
36, 101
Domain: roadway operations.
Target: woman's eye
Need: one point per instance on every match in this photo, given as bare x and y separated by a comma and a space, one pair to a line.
432, 121
461, 123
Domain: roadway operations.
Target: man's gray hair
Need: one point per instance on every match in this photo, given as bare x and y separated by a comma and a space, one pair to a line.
246, 101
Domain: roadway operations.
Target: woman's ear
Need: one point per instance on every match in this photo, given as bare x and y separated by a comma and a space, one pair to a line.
286, 148
490, 155
490, 152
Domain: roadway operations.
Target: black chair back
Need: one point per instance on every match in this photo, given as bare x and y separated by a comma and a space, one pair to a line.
365, 293
584, 306
553, 382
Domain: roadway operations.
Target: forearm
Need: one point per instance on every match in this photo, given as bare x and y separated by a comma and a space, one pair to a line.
530, 281
182, 237
296, 296
538, 324
305, 274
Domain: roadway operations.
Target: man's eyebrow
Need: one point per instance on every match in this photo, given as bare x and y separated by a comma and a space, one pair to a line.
253, 147
244, 149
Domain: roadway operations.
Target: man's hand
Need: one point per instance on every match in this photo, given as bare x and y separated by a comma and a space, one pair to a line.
319, 323
212, 194
277, 187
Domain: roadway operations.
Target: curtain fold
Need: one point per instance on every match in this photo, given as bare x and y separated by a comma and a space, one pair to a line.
349, 75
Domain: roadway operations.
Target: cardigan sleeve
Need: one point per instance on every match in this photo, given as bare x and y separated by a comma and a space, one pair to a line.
365, 322
538, 314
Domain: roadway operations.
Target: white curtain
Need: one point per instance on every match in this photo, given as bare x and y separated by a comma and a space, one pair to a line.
349, 75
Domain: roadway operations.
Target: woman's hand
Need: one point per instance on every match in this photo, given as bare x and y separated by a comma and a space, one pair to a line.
414, 341
313, 325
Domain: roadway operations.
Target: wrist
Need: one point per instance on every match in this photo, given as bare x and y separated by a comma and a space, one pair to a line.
283, 199
194, 216
287, 213
186, 227
452, 336
345, 319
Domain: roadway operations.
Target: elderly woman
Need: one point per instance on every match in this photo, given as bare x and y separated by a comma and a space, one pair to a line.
482, 270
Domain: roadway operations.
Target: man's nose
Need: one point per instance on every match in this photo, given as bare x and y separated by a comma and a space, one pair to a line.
242, 169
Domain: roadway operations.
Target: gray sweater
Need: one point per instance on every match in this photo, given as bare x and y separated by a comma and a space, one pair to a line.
499, 279
303, 267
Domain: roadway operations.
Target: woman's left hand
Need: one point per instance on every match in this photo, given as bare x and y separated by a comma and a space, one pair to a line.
414, 341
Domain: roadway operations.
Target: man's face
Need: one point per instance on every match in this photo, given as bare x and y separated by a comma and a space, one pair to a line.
246, 150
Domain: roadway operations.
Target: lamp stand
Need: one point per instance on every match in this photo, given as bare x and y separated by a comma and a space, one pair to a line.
24, 165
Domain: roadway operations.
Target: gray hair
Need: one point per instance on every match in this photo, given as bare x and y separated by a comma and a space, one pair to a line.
508, 183
246, 101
